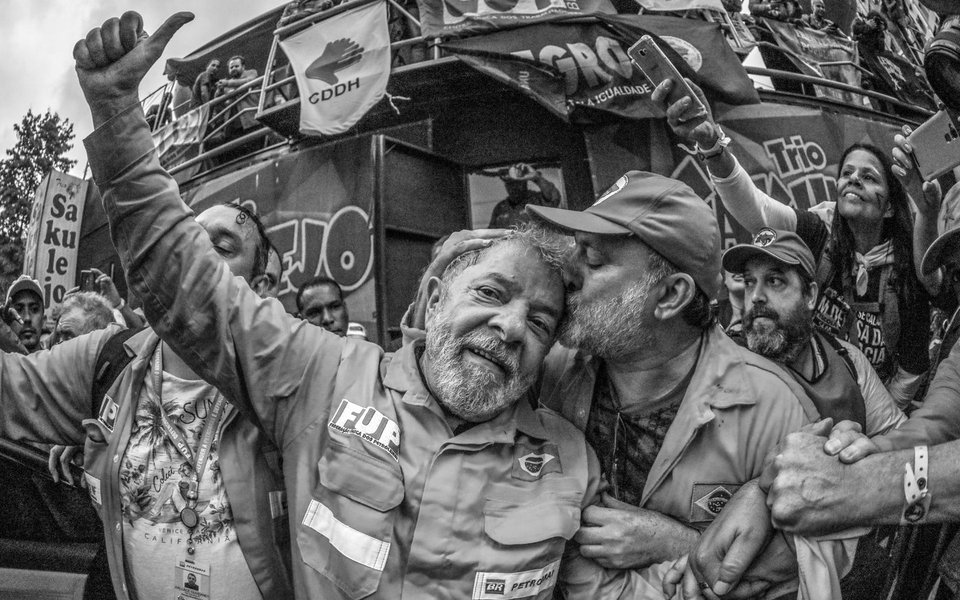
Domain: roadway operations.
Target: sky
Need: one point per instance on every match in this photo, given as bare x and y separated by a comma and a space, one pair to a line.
37, 71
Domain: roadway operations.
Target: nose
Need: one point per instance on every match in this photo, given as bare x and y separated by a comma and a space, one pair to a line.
757, 295
327, 317
572, 275
509, 322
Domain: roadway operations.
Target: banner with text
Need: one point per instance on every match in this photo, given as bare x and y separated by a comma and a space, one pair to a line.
677, 5
809, 50
50, 252
582, 64
342, 65
453, 18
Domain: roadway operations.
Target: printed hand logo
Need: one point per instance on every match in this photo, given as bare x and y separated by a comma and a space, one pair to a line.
338, 55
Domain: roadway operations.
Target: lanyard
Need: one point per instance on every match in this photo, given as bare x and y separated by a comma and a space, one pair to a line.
190, 490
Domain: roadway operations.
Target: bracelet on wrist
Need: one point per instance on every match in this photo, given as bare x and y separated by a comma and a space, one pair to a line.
916, 488
704, 153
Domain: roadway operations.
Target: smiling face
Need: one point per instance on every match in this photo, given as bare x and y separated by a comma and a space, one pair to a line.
862, 188
778, 309
488, 330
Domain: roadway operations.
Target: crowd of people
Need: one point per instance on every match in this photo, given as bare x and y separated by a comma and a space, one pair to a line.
566, 416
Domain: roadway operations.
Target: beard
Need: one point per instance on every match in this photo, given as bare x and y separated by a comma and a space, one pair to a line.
470, 391
782, 340
608, 328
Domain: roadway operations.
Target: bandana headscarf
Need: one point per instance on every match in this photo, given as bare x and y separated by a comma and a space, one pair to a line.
879, 255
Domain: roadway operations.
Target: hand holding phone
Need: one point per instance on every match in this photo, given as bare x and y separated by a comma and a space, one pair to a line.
87, 281
936, 146
656, 67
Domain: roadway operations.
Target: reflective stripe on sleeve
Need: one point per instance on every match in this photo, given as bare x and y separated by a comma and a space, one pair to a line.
355, 545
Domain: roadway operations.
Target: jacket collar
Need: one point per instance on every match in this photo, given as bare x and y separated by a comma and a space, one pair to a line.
402, 374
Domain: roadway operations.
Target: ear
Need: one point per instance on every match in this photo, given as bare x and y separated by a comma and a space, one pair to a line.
813, 292
434, 293
260, 284
678, 290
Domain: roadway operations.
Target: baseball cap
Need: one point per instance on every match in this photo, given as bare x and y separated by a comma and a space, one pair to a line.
663, 213
24, 282
782, 246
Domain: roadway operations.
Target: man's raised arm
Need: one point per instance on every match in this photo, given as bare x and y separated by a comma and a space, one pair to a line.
213, 320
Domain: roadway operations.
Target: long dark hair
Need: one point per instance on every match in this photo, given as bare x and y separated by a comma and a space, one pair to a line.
898, 228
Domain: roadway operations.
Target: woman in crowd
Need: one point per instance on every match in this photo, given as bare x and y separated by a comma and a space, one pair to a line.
868, 274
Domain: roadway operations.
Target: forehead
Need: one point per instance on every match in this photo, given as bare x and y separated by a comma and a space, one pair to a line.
863, 158
623, 247
234, 62
522, 271
759, 265
221, 219
320, 294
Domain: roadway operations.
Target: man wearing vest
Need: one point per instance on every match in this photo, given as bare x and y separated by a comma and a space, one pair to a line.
184, 483
780, 292
415, 475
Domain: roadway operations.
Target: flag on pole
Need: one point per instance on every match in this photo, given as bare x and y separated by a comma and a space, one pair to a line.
342, 65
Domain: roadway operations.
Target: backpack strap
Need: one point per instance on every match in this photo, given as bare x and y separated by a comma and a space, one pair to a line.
111, 361
843, 352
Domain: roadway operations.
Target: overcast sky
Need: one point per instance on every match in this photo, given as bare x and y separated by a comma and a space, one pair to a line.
37, 70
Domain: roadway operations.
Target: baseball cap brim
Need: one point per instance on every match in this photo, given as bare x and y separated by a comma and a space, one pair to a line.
735, 259
577, 220
933, 257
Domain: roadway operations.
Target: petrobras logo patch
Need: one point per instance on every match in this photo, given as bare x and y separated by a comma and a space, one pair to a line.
509, 586
369, 424
613, 189
494, 587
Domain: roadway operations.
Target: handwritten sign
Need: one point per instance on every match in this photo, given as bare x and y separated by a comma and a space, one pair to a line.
50, 252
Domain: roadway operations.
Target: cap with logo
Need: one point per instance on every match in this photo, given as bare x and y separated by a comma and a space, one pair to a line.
663, 213
783, 246
22, 283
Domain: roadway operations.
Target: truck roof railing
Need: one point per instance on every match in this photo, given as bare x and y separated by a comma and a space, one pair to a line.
276, 91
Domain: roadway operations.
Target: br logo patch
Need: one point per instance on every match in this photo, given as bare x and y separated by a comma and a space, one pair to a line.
532, 463
709, 499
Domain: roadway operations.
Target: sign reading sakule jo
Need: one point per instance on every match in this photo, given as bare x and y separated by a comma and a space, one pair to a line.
51, 245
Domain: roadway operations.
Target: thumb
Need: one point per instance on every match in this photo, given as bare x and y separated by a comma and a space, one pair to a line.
162, 36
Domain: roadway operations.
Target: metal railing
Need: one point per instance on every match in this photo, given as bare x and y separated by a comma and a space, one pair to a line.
225, 110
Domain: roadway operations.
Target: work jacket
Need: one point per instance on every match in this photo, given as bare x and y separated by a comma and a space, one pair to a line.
737, 407
385, 500
45, 397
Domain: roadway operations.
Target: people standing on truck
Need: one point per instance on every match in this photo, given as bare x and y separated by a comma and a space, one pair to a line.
205, 86
240, 116
871, 292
